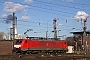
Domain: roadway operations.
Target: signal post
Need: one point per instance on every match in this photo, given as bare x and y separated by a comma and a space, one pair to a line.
54, 26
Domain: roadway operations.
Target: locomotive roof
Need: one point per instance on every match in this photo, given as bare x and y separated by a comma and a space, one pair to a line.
43, 38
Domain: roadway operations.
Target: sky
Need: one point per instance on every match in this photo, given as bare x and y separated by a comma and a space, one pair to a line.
38, 15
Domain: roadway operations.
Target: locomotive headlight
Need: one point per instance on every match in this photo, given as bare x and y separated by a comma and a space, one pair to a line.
17, 46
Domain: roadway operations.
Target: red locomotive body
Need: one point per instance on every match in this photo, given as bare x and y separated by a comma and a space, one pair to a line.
38, 45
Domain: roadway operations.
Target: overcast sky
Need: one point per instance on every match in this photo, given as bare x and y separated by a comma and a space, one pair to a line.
39, 14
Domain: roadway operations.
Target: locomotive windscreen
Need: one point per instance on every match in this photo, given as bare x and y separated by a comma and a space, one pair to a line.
18, 41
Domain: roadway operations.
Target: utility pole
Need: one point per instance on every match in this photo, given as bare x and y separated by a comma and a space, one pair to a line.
13, 25
84, 36
47, 32
54, 26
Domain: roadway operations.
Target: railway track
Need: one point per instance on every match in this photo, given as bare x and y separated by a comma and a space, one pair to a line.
45, 57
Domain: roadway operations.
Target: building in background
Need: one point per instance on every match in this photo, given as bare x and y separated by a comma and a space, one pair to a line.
78, 39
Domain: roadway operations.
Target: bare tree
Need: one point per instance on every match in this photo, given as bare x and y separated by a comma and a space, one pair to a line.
1, 35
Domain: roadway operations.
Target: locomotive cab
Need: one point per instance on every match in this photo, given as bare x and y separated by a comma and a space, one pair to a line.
17, 45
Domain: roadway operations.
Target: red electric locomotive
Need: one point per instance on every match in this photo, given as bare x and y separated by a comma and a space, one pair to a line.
40, 45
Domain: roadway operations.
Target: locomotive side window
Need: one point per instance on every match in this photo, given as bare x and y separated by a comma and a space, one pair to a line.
18, 41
